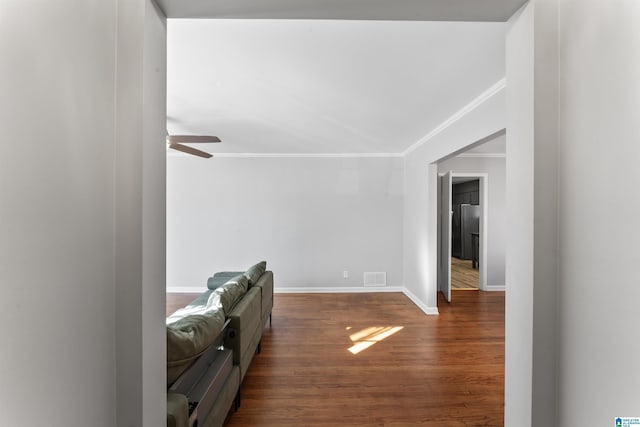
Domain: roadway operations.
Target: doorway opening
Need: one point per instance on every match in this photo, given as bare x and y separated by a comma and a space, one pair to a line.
465, 233
462, 231
460, 169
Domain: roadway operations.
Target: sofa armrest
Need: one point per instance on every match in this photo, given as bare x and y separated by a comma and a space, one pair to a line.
177, 410
245, 329
265, 283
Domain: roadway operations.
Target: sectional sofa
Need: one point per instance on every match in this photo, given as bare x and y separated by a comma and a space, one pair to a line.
211, 343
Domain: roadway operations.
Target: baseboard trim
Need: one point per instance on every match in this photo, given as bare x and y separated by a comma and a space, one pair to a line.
186, 289
430, 311
491, 288
334, 289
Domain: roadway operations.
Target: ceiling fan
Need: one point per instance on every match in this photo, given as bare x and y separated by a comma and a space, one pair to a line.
177, 143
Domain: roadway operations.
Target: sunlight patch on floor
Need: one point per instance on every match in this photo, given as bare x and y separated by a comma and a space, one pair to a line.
367, 337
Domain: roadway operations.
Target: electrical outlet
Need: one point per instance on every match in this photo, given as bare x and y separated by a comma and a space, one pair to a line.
345, 274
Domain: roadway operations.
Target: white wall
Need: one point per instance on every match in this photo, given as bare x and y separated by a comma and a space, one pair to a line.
545, 214
82, 213
531, 377
420, 204
519, 245
154, 238
309, 218
598, 160
57, 309
494, 167
140, 214
571, 339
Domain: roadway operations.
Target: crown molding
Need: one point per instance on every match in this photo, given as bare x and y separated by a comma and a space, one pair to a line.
487, 94
294, 155
307, 155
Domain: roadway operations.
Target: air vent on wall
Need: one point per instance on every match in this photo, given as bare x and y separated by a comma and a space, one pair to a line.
375, 278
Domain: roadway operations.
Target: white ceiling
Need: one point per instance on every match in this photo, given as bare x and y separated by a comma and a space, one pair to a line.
325, 86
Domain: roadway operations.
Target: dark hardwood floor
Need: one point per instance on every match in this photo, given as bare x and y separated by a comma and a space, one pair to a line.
375, 359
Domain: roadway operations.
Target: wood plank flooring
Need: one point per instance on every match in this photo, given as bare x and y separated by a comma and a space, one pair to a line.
375, 359
463, 275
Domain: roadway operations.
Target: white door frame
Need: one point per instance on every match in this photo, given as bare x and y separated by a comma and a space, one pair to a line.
484, 220
444, 235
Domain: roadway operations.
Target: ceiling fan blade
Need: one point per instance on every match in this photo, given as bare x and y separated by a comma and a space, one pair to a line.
192, 138
190, 150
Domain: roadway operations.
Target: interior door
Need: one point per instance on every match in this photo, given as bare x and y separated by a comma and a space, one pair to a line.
445, 235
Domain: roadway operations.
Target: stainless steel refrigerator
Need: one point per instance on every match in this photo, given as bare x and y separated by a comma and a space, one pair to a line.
465, 222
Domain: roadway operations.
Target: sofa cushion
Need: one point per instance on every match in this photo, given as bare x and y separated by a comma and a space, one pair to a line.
201, 301
221, 278
229, 294
190, 332
254, 272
